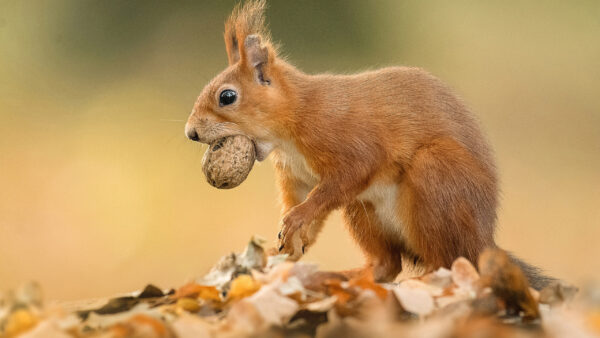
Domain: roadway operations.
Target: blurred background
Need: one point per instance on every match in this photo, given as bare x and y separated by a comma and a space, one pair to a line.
100, 192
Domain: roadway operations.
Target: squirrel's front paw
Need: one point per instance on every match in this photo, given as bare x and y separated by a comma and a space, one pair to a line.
293, 247
293, 235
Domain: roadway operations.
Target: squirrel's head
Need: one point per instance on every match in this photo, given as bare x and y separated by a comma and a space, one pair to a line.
247, 96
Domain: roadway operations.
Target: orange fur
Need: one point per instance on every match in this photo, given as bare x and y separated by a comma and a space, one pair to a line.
395, 148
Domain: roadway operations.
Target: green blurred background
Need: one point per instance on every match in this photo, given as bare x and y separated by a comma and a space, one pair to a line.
100, 192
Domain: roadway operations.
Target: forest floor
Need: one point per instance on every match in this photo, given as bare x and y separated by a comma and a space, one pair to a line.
252, 294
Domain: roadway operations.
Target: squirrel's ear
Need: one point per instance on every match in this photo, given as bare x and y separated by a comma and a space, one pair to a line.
231, 44
257, 58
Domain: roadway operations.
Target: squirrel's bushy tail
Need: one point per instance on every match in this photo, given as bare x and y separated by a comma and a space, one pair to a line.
537, 279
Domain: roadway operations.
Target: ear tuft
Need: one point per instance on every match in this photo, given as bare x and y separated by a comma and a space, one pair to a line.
232, 45
247, 18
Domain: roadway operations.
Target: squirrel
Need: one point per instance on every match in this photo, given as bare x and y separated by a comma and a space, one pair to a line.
394, 148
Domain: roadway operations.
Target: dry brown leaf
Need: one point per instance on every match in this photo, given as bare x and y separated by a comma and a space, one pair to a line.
140, 325
241, 287
190, 326
416, 301
188, 304
593, 321
452, 298
557, 293
304, 271
272, 306
343, 295
366, 281
265, 307
221, 274
317, 282
486, 327
45, 329
278, 272
97, 321
322, 305
294, 289
232, 265
433, 290
254, 256
562, 322
441, 278
243, 319
19, 321
193, 290
29, 294
464, 273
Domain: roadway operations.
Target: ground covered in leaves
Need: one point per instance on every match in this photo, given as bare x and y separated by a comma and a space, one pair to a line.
252, 294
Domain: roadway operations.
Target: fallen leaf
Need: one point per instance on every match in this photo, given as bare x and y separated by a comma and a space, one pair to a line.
222, 273
254, 256
293, 288
193, 290
188, 304
97, 321
272, 307
274, 260
317, 281
322, 305
557, 293
18, 322
151, 291
189, 326
441, 278
305, 323
464, 273
278, 272
233, 265
241, 287
433, 290
416, 301
484, 327
366, 281
45, 329
342, 294
29, 294
593, 321
140, 325
304, 271
114, 305
243, 319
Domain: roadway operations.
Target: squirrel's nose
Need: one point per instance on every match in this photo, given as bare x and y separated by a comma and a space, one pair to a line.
191, 133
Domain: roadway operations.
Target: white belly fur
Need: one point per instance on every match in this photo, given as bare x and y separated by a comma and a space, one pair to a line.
384, 197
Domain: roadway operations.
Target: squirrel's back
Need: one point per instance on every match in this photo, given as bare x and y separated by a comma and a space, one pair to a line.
390, 102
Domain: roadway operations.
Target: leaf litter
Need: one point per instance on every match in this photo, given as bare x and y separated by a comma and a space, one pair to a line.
255, 295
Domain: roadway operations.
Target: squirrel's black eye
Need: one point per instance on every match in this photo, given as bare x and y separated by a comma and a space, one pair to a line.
227, 96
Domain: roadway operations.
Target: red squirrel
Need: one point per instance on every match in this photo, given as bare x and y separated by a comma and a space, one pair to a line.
394, 148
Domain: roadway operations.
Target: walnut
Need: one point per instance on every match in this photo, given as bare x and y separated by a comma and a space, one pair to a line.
228, 161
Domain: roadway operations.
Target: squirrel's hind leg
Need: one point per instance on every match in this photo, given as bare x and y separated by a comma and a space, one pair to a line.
383, 252
447, 203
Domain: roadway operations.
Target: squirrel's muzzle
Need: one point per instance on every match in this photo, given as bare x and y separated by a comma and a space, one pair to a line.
191, 132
